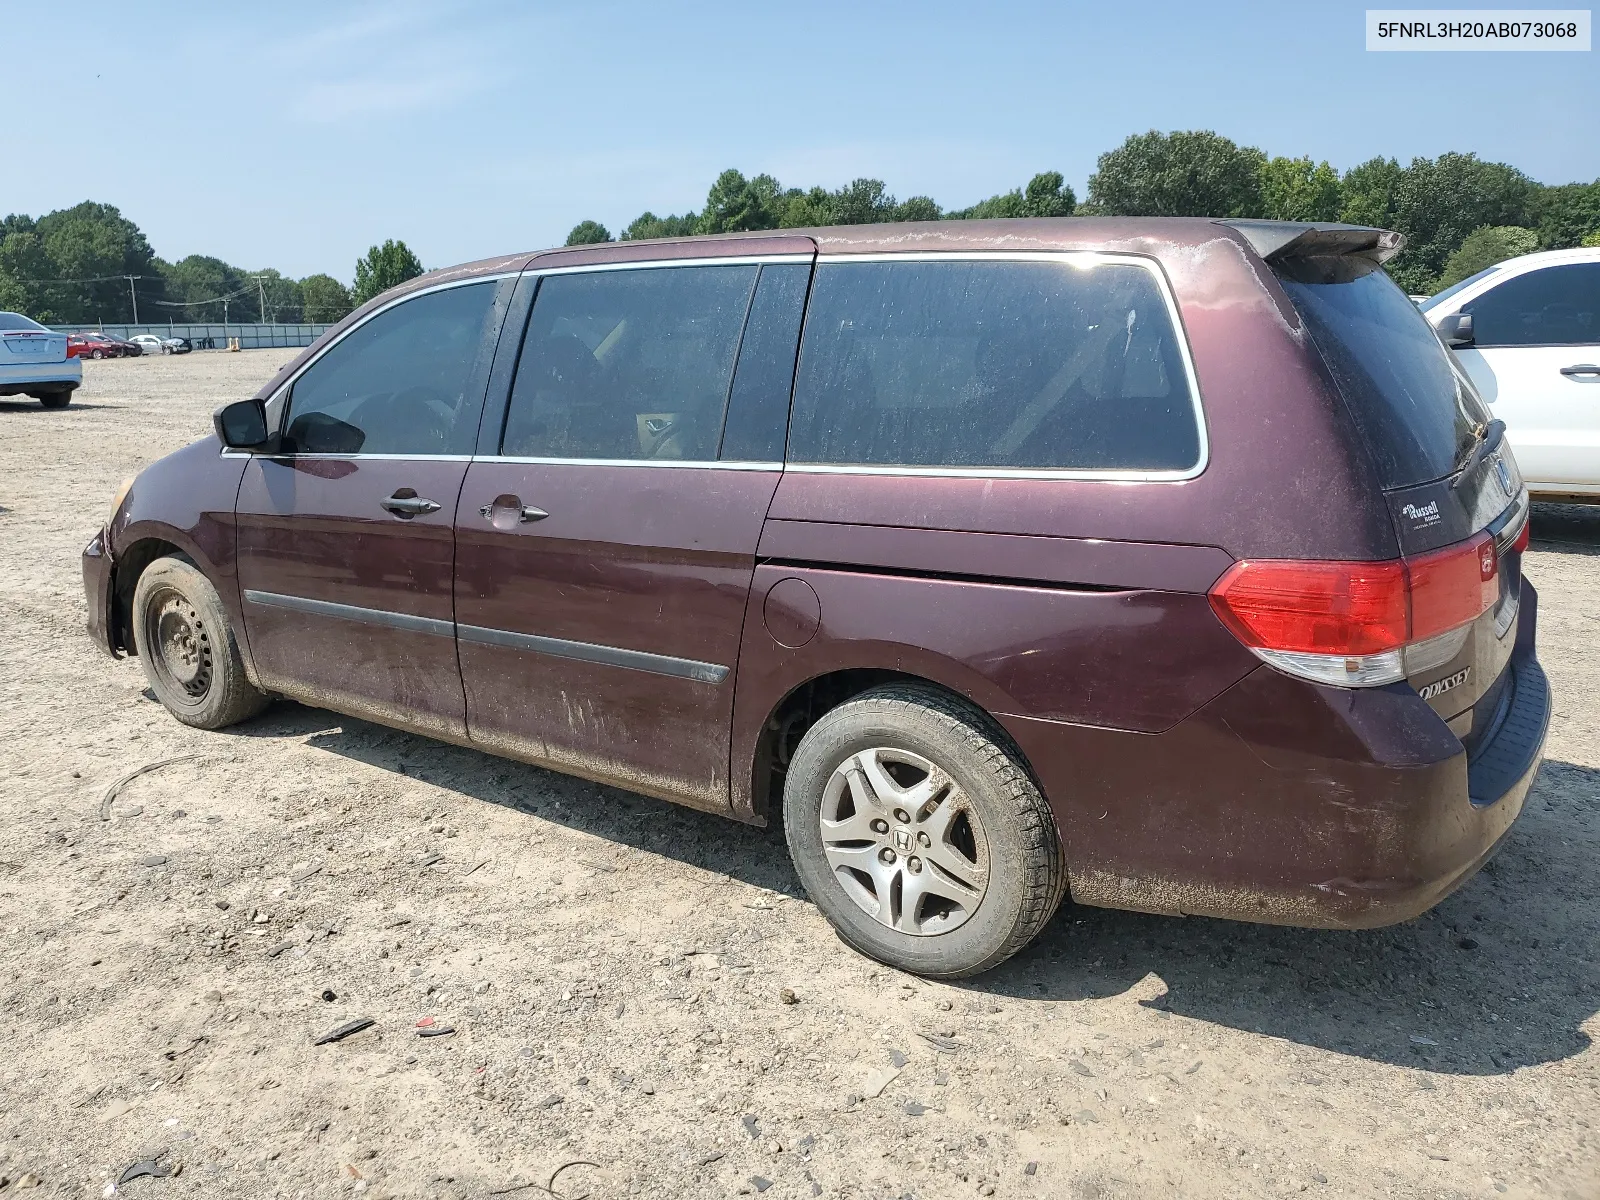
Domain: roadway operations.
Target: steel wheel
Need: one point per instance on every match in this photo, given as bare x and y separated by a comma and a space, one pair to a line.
183, 653
904, 841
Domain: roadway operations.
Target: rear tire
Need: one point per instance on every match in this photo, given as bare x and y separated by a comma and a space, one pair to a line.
187, 648
56, 399
951, 862
97, 354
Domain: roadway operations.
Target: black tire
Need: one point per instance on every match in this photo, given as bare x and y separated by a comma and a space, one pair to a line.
97, 354
187, 648
1026, 872
55, 399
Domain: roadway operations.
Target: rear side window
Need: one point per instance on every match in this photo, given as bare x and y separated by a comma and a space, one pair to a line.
1415, 409
993, 365
1553, 306
407, 381
629, 364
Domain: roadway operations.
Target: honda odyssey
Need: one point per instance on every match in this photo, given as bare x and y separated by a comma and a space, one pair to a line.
1172, 564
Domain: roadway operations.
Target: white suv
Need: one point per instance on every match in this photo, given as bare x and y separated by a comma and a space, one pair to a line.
33, 361
1528, 333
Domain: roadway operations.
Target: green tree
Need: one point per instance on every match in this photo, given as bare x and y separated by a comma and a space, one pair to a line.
917, 208
805, 209
648, 225
585, 233
1437, 202
23, 263
203, 288
1367, 193
1190, 173
862, 202
284, 302
384, 267
1592, 240
324, 300
1484, 247
1047, 195
1297, 189
1564, 215
736, 204
70, 266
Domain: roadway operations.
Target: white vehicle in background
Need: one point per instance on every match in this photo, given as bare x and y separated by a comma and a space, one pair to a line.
1527, 331
151, 343
34, 362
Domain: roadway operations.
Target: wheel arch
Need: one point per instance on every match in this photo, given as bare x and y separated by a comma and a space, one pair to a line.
132, 560
808, 701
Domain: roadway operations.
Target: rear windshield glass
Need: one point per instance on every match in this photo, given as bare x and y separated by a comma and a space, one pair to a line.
17, 321
993, 365
1416, 409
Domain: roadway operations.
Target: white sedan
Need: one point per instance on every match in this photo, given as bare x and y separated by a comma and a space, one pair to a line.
34, 362
149, 343
1528, 333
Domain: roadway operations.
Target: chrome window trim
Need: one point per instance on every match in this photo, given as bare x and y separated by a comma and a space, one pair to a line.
611, 656
701, 464
738, 260
996, 472
352, 612
1080, 259
327, 454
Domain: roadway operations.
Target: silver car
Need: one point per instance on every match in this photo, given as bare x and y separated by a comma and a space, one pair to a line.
34, 362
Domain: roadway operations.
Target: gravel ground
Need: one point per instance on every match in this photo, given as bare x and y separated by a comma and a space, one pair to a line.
615, 969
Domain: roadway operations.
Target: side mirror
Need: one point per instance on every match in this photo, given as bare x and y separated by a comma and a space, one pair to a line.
1456, 329
241, 425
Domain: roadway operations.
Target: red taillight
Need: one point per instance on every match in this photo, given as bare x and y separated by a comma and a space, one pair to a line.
1356, 608
1453, 586
1521, 543
1314, 607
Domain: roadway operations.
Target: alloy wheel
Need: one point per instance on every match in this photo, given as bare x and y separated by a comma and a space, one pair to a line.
904, 841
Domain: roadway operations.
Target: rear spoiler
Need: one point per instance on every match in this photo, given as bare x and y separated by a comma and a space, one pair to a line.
1280, 241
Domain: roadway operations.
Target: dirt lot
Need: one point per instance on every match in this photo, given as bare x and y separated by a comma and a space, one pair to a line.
613, 966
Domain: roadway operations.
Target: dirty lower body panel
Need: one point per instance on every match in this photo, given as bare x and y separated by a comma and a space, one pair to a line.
1292, 803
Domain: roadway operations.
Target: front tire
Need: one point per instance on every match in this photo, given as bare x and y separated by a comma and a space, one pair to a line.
920, 835
187, 648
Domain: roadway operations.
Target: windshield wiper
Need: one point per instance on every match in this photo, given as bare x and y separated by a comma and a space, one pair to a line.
1488, 442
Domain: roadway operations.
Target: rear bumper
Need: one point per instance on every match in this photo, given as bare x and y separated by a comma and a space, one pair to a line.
18, 378
1290, 803
97, 582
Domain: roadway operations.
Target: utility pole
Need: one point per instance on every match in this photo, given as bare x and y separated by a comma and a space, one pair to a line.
261, 290
133, 295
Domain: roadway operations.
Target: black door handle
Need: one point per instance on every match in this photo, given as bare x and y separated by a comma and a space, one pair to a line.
409, 506
1581, 369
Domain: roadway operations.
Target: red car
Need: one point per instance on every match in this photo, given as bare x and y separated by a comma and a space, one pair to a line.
98, 345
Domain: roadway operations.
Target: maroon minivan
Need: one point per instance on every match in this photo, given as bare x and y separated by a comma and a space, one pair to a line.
1172, 563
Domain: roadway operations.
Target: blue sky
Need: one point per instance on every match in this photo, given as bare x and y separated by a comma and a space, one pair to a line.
294, 135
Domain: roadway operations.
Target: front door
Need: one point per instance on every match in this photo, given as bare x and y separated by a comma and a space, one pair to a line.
1535, 358
346, 546
605, 551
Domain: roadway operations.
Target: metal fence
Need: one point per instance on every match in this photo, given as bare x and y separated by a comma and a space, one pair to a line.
214, 337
